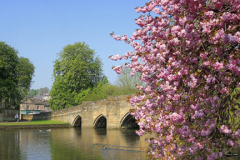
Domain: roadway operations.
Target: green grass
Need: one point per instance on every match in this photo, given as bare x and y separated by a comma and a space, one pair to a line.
35, 122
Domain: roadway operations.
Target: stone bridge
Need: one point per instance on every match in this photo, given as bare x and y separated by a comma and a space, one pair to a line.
112, 112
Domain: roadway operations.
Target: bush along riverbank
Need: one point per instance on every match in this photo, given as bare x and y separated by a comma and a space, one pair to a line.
33, 124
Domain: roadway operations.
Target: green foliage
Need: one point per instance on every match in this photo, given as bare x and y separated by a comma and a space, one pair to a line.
75, 70
32, 93
124, 80
41, 91
25, 71
101, 91
15, 76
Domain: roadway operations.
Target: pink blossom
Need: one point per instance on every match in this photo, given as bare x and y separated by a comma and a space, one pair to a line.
237, 133
124, 38
224, 129
206, 63
118, 56
232, 39
203, 55
190, 66
185, 131
189, 28
113, 58
176, 118
140, 132
116, 37
199, 114
213, 156
205, 132
156, 10
209, 14
193, 81
226, 17
182, 20
206, 27
220, 154
139, 88
230, 143
175, 29
138, 9
195, 106
174, 41
118, 69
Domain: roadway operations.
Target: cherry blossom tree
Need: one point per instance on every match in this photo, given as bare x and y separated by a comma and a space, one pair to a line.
188, 54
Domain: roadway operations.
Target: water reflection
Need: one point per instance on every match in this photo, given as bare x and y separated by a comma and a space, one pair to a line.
9, 145
71, 143
100, 131
87, 143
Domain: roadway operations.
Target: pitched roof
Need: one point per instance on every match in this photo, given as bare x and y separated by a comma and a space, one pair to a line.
36, 101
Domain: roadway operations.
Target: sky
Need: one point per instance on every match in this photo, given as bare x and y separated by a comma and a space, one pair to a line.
39, 29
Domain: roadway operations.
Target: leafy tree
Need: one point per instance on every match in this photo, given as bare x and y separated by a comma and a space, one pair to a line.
128, 80
32, 93
189, 58
75, 70
15, 76
25, 71
101, 91
41, 91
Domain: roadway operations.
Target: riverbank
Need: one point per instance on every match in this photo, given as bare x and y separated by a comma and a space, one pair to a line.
33, 124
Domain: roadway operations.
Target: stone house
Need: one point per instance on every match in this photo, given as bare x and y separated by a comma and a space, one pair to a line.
34, 106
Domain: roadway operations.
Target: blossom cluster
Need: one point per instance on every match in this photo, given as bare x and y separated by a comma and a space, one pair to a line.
189, 57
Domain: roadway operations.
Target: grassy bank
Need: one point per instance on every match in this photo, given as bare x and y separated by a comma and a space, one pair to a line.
35, 122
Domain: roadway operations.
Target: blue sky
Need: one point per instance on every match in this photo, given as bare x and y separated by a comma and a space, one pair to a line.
39, 29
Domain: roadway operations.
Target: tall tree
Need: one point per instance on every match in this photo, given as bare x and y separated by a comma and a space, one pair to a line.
15, 76
76, 69
25, 71
189, 58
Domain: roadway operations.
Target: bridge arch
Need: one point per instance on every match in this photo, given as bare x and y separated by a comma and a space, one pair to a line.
100, 122
128, 122
77, 122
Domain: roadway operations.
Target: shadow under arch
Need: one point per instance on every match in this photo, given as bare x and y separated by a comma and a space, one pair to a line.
129, 122
100, 122
77, 121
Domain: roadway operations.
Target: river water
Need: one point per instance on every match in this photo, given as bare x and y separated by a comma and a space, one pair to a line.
71, 144
74, 144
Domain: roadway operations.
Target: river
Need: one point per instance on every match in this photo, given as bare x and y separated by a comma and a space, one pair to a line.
71, 144
74, 144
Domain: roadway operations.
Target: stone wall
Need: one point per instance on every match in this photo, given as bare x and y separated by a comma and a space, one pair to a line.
41, 116
8, 115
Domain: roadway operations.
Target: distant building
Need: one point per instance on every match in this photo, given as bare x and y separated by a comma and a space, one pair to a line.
34, 106
44, 96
